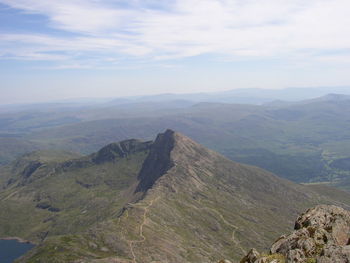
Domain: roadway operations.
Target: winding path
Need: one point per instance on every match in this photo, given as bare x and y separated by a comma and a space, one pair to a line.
143, 238
234, 240
237, 243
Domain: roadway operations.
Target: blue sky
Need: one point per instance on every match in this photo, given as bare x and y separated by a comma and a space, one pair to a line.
99, 48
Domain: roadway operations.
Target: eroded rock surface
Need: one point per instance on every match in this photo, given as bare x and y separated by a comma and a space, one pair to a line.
321, 235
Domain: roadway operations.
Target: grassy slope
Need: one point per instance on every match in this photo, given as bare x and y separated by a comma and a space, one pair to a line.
204, 208
79, 193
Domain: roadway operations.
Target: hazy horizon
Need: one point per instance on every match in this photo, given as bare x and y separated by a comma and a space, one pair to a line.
299, 94
71, 49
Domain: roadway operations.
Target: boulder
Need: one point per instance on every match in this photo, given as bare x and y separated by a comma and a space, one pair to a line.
321, 235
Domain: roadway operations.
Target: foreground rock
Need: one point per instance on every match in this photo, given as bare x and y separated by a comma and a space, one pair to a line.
321, 235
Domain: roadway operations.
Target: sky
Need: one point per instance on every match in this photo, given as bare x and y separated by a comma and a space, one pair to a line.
51, 50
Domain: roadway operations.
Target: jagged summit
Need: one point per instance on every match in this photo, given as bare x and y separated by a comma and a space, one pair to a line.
158, 160
171, 152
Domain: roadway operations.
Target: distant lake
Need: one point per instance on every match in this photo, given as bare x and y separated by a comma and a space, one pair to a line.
12, 249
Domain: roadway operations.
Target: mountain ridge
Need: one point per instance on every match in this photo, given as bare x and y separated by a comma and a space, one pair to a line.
62, 197
201, 208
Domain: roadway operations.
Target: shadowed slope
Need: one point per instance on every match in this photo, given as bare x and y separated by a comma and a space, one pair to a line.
157, 162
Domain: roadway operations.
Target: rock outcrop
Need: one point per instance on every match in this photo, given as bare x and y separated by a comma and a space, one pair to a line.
321, 235
118, 150
158, 162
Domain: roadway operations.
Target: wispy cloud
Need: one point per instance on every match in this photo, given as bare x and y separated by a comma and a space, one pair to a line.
72, 15
180, 28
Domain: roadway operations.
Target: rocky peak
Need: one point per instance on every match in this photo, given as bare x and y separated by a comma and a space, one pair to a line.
121, 149
158, 161
333, 219
172, 149
321, 234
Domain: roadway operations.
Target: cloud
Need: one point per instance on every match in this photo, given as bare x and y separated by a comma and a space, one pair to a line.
72, 15
176, 29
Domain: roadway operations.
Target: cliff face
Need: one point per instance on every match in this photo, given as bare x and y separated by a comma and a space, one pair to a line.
321, 235
158, 161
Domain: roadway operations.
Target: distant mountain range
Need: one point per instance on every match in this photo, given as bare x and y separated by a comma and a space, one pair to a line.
249, 96
304, 141
171, 200
243, 96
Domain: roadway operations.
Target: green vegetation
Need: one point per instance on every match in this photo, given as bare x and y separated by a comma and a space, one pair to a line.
311, 260
45, 194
